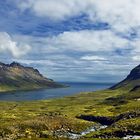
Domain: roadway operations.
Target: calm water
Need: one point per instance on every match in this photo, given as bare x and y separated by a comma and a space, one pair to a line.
53, 93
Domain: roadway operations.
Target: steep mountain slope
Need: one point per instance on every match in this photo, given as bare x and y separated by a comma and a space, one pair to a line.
17, 77
131, 82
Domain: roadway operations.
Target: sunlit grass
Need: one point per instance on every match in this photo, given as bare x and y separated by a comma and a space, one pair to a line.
38, 119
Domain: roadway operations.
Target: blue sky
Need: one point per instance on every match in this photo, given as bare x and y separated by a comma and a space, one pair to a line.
88, 40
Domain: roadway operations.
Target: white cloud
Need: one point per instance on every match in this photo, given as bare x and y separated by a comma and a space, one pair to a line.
80, 53
136, 58
10, 46
54, 9
85, 54
121, 14
93, 58
136, 44
87, 40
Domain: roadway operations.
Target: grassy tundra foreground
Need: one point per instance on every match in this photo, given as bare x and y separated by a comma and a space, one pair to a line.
52, 119
110, 114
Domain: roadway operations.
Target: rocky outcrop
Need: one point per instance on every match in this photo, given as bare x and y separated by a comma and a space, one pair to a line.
109, 120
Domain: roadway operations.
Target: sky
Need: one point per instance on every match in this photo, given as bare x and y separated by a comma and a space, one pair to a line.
72, 40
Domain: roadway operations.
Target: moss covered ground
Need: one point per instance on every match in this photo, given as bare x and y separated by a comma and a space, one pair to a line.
40, 120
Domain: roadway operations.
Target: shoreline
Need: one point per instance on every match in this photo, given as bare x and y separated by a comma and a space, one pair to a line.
51, 93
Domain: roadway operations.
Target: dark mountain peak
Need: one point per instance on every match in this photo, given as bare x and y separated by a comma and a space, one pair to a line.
2, 64
134, 74
19, 66
15, 64
131, 82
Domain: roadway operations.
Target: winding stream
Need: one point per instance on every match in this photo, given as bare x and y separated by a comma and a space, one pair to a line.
92, 129
73, 135
128, 137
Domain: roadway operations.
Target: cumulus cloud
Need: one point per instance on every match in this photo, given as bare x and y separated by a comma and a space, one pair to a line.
87, 55
87, 40
93, 52
122, 15
10, 46
54, 9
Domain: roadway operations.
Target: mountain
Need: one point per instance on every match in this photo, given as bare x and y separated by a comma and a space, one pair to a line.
14, 76
131, 82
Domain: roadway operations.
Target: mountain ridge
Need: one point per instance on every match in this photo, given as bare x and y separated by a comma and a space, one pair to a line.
15, 76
